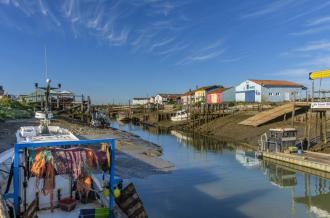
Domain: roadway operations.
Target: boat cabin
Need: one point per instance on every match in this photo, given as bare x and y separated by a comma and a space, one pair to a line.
279, 139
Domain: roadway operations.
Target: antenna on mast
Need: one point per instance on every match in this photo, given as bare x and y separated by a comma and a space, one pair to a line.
46, 67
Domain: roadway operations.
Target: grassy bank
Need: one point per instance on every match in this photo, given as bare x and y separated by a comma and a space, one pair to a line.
10, 109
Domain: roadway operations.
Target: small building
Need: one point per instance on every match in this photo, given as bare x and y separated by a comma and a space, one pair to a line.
140, 101
152, 100
167, 98
215, 96
221, 95
201, 93
229, 95
188, 98
268, 91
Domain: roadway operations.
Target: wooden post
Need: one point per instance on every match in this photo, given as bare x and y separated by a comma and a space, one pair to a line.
293, 113
316, 122
306, 124
313, 91
321, 125
324, 122
309, 127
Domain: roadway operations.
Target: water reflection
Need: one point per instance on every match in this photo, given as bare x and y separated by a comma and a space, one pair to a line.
316, 197
219, 179
247, 158
278, 175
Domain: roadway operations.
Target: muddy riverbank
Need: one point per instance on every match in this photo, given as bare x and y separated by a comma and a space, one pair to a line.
228, 129
135, 157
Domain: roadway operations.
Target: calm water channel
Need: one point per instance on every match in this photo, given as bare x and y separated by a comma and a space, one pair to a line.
214, 179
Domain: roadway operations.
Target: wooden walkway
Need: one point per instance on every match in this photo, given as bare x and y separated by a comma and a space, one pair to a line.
313, 160
269, 115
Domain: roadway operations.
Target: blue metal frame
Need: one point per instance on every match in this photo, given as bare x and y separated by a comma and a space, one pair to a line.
17, 147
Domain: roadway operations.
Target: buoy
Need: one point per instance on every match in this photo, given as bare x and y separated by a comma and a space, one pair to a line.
116, 193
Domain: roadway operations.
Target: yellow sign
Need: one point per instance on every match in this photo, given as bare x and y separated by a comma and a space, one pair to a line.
319, 74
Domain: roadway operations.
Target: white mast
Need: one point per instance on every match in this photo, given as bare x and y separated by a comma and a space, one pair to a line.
46, 67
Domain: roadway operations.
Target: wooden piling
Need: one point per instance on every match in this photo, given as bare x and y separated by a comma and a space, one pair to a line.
293, 114
309, 127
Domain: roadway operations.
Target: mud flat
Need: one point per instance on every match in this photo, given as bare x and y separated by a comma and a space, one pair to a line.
227, 128
135, 157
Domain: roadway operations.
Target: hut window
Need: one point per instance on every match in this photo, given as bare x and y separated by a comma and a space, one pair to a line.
278, 94
270, 94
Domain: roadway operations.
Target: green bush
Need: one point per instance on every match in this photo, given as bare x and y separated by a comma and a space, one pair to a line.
10, 109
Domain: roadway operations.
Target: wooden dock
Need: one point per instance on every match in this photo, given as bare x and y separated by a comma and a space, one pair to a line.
269, 115
313, 160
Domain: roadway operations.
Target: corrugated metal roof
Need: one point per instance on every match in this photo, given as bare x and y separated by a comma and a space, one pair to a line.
277, 83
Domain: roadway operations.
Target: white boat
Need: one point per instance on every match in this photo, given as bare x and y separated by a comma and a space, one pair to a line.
37, 195
52, 173
180, 116
42, 115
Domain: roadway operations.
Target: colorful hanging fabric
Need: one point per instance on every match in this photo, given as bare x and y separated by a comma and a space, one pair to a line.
91, 158
61, 163
49, 180
39, 165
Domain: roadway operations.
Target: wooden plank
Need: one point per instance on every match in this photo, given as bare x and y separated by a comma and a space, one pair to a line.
266, 116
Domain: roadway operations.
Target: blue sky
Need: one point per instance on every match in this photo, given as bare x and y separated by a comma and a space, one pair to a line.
115, 50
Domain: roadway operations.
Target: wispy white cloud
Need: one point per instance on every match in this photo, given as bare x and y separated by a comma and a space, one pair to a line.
310, 31
292, 72
322, 45
311, 10
320, 61
160, 44
268, 9
211, 51
107, 22
318, 21
175, 48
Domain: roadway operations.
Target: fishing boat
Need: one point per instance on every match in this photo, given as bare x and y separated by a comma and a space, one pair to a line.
52, 173
181, 115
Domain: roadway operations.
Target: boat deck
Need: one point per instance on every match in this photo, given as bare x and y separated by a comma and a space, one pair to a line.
58, 213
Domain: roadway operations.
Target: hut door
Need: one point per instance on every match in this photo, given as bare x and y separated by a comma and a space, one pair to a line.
250, 96
287, 96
